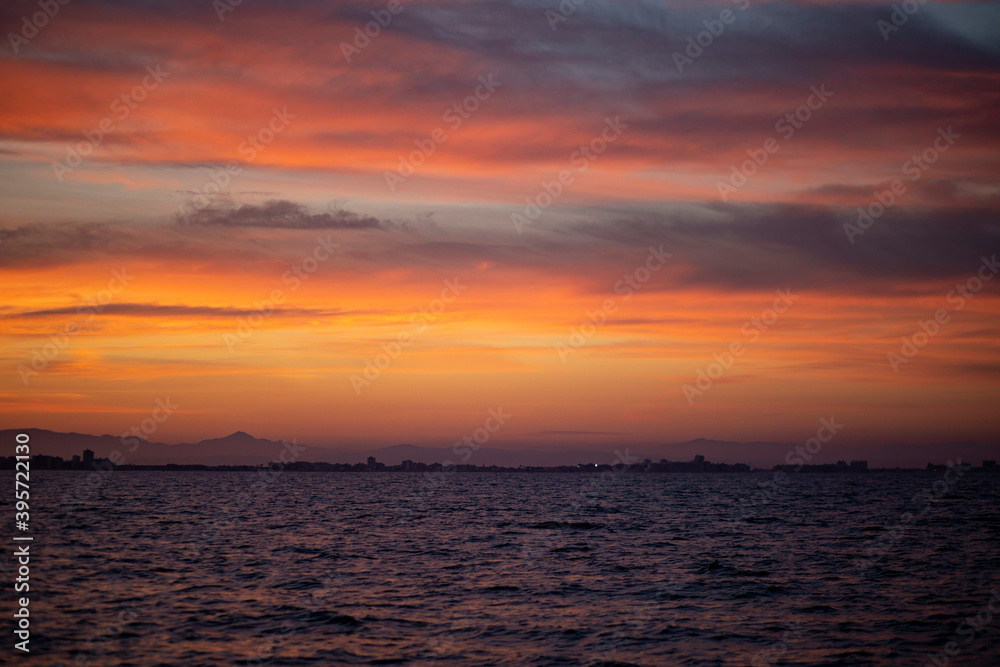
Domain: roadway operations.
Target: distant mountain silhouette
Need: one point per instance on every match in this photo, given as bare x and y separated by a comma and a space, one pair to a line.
244, 449
241, 448
238, 448
63, 444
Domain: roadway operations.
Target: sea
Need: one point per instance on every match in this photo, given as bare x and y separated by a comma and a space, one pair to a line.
527, 569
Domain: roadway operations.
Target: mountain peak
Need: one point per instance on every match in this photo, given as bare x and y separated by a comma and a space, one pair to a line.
234, 436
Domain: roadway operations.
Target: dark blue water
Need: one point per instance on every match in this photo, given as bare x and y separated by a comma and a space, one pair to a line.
157, 568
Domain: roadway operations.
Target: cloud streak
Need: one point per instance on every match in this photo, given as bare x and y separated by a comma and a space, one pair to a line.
346, 284
162, 310
735, 246
277, 214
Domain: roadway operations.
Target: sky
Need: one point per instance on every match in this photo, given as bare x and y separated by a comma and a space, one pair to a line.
619, 223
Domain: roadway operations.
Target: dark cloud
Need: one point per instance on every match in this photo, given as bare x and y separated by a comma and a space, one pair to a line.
752, 246
630, 40
734, 246
277, 214
118, 244
56, 244
617, 58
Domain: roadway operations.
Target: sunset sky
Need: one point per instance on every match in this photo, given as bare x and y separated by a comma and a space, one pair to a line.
256, 202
